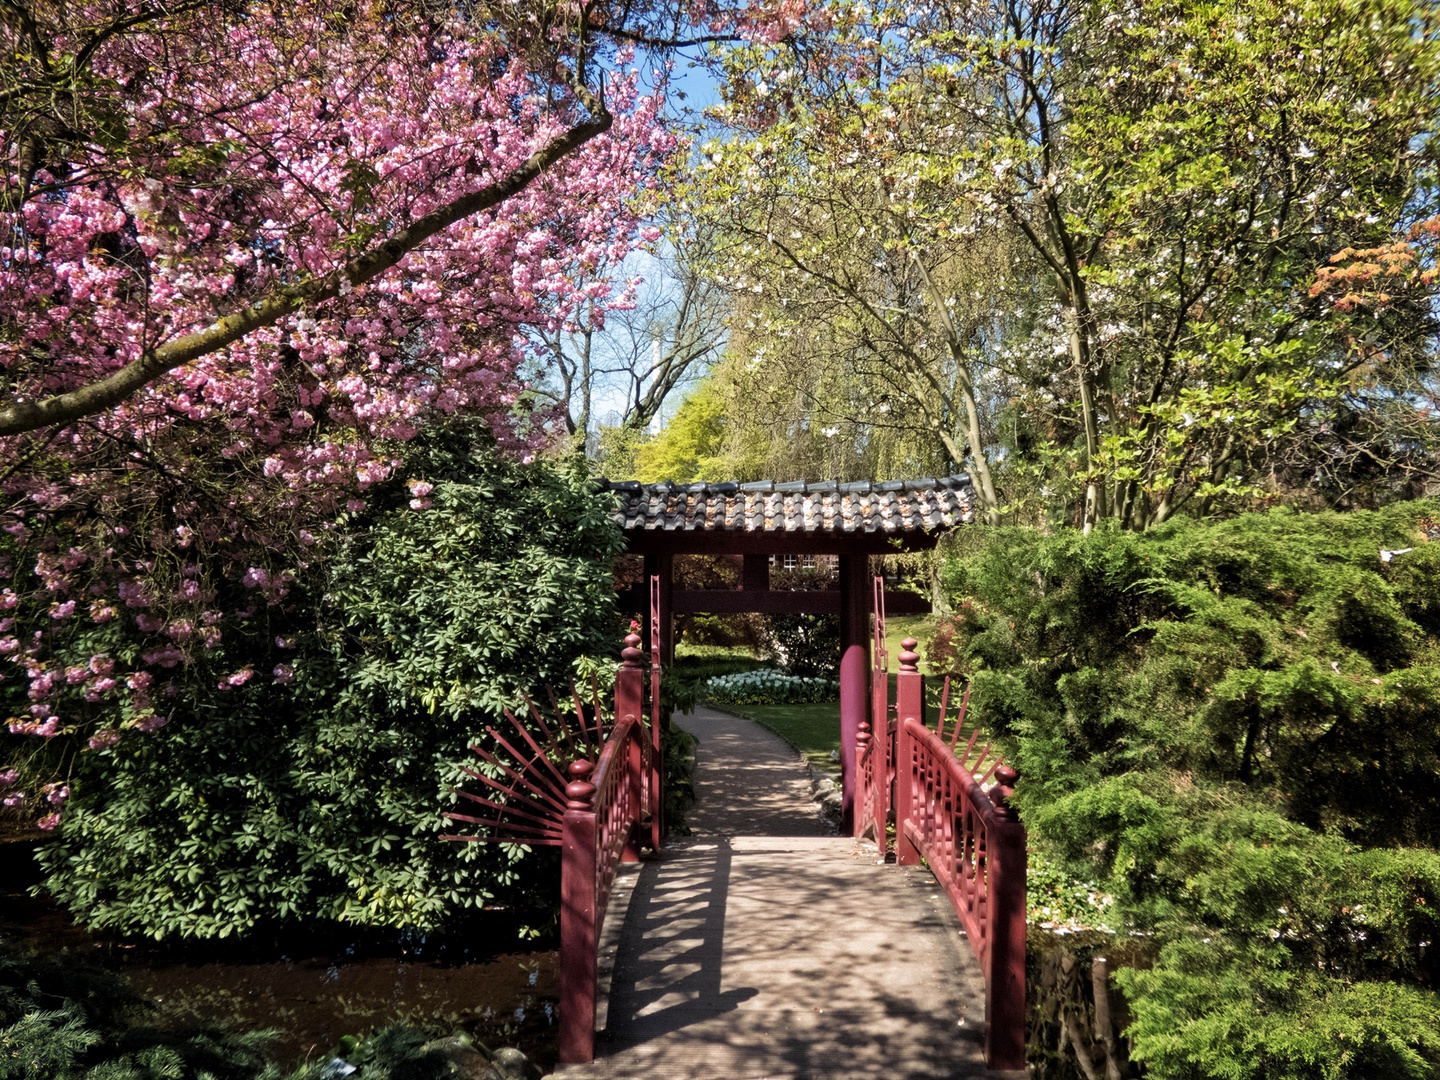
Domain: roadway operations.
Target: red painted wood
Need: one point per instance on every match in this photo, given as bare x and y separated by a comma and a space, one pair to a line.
909, 705
755, 573
630, 704
658, 565
600, 829
854, 674
654, 780
864, 782
974, 844
578, 925
766, 601
879, 779
1005, 983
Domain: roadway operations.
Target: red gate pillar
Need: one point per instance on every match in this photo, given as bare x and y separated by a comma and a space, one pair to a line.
854, 671
630, 701
578, 963
1005, 981
909, 705
755, 573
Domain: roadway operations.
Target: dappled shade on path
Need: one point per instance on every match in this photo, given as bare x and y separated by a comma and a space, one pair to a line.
766, 946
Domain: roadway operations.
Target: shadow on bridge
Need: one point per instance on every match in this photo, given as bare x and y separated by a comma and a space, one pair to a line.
799, 957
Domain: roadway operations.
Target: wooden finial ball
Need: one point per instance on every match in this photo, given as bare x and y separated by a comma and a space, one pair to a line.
580, 792
1004, 788
909, 658
631, 655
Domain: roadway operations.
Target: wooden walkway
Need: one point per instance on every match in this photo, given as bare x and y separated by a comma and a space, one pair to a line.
765, 947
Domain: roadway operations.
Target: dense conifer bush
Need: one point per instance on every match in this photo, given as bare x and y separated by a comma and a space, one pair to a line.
318, 793
1234, 729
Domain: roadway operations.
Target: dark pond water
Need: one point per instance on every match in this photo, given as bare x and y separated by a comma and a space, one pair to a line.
315, 987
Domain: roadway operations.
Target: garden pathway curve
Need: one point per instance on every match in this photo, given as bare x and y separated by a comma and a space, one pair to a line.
765, 947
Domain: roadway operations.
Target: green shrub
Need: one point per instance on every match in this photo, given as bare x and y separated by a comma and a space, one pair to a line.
1234, 730
321, 798
804, 645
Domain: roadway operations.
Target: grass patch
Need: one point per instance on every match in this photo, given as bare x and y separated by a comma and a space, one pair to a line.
897, 629
814, 730
698, 662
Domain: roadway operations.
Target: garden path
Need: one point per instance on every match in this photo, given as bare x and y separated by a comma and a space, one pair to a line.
765, 946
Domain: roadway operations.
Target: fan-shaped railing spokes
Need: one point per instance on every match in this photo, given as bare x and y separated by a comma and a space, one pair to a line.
956, 724
525, 787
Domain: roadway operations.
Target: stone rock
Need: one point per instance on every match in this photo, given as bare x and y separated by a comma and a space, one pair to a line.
469, 1061
508, 1063
823, 786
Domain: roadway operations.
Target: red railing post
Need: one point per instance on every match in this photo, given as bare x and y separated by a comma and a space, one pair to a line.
1005, 981
864, 780
657, 758
630, 701
909, 704
577, 918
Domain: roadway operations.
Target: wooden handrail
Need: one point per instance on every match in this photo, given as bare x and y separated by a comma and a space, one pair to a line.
601, 828
974, 844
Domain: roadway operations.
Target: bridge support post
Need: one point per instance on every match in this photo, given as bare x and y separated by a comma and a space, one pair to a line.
578, 963
854, 667
662, 566
1005, 981
655, 781
909, 704
630, 701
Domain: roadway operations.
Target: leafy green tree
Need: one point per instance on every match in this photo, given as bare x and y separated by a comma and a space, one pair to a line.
318, 794
687, 448
1087, 247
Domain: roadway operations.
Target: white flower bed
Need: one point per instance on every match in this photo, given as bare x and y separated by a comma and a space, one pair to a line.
765, 686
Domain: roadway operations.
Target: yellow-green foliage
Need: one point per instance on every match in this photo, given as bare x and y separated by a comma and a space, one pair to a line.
688, 448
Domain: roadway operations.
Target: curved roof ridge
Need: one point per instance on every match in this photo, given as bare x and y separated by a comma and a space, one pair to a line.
925, 504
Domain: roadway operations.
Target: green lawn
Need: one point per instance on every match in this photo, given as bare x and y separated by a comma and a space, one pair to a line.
686, 651
898, 628
814, 730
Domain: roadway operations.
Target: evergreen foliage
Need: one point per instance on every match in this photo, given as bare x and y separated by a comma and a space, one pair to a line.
1234, 729
321, 796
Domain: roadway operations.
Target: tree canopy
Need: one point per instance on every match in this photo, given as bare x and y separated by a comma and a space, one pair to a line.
1116, 259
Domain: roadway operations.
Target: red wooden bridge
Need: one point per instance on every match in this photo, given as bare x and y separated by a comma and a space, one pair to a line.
751, 950
943, 1012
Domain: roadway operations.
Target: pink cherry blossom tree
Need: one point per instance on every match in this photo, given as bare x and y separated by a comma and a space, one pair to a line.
248, 250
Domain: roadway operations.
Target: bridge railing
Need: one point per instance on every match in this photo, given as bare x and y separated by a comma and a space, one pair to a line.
974, 844
605, 811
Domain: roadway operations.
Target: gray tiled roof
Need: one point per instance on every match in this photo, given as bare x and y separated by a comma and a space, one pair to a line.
895, 506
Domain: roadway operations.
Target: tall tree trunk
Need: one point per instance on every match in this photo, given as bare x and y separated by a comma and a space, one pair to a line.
1094, 508
979, 465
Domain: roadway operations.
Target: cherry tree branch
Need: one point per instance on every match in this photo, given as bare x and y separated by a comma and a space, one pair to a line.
20, 417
